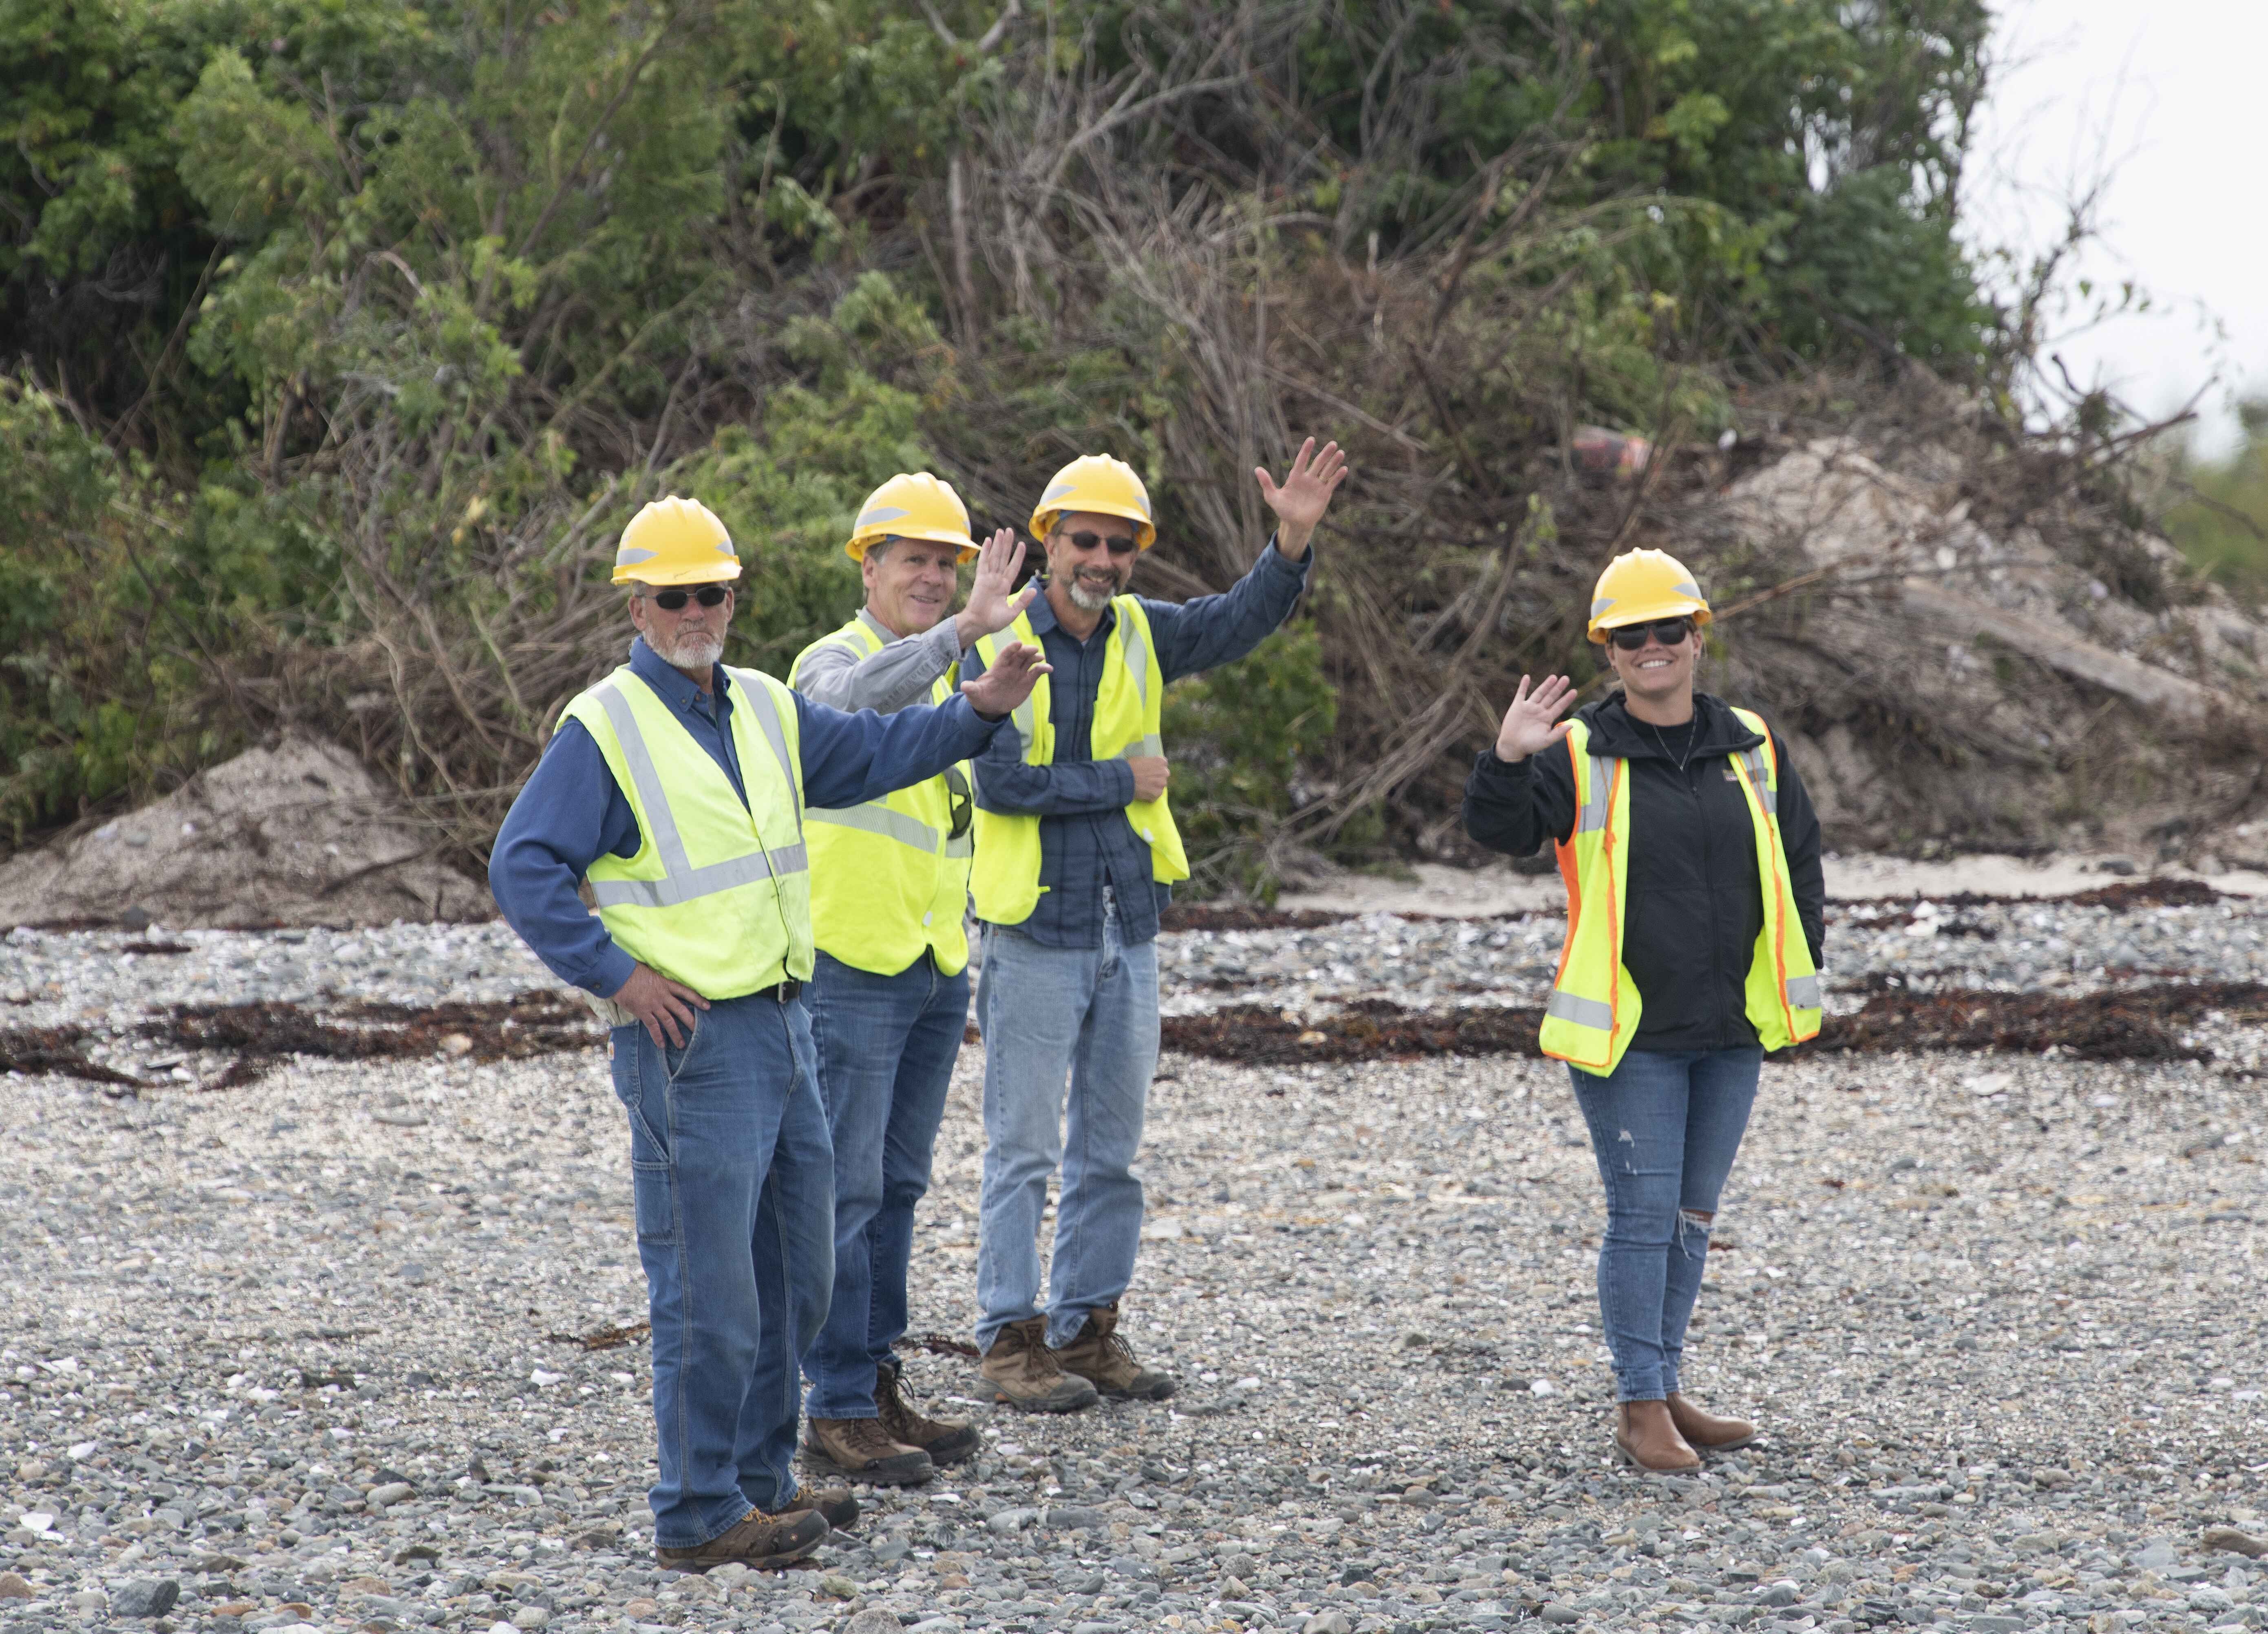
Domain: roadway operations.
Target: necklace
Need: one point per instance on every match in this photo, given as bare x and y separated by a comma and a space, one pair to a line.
1692, 736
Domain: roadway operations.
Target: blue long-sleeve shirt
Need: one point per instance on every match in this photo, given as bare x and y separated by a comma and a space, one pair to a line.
572, 812
1085, 841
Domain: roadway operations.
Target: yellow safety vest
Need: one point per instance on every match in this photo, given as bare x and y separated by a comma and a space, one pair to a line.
1595, 1006
888, 881
1127, 708
719, 895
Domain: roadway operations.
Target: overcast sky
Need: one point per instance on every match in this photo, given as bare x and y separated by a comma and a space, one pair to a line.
2160, 95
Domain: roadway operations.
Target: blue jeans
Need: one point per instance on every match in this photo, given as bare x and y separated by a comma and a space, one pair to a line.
887, 1046
735, 1189
1664, 1129
1090, 1015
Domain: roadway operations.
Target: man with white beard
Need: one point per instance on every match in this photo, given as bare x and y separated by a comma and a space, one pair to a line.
675, 788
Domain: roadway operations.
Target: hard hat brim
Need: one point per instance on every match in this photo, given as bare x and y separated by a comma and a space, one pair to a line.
1647, 612
856, 548
1145, 531
647, 573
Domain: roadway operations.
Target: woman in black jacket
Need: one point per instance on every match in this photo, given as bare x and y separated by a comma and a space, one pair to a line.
1695, 907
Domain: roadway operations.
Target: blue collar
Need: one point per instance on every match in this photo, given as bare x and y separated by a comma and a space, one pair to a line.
671, 686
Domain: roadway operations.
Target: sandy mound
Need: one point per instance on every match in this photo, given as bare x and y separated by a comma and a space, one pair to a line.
1958, 671
295, 834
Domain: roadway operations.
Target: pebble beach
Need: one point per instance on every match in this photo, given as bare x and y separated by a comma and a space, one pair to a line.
356, 1345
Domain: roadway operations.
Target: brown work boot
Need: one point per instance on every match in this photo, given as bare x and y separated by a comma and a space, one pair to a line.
1646, 1436
1101, 1358
863, 1450
1704, 1430
833, 1505
945, 1440
755, 1540
1026, 1374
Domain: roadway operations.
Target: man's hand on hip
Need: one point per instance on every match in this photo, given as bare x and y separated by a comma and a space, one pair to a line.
1151, 775
991, 608
661, 1006
1000, 689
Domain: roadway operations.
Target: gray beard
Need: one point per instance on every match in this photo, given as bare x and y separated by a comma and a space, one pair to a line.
691, 653
1089, 599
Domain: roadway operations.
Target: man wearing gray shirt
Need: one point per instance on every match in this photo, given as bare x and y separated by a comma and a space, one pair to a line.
889, 997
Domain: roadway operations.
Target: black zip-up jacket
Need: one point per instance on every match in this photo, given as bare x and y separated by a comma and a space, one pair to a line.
1696, 907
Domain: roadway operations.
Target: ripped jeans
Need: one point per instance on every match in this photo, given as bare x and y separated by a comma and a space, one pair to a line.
1664, 1129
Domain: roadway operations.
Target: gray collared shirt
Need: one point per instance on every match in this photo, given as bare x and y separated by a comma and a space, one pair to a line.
902, 672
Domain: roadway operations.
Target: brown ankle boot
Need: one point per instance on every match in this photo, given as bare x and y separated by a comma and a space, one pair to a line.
945, 1440
1102, 1358
1644, 1436
863, 1449
754, 1541
1025, 1374
1705, 1430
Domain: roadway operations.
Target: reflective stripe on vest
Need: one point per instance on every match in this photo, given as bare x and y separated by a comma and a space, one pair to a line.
681, 881
1006, 880
889, 882
705, 900
1594, 1008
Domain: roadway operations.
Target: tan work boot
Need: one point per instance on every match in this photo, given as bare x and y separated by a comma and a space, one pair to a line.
1100, 1356
945, 1440
864, 1450
1026, 1374
833, 1505
1704, 1430
1646, 1436
755, 1540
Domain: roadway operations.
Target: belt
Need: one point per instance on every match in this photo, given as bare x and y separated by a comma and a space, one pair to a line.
785, 992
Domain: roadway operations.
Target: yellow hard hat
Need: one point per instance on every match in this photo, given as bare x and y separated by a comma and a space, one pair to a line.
1640, 586
675, 542
1099, 483
911, 505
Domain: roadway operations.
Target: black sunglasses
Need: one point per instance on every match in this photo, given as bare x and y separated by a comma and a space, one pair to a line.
674, 601
1121, 544
960, 799
1668, 631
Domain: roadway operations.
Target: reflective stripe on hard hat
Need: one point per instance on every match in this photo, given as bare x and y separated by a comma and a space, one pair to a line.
1099, 484
676, 540
1641, 587
912, 505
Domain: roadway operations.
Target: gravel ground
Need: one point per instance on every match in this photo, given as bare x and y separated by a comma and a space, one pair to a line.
303, 1351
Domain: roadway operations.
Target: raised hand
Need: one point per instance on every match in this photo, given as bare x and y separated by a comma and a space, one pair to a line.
1528, 724
1305, 495
990, 607
1008, 682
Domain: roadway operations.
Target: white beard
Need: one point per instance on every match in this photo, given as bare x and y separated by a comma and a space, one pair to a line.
692, 652
1091, 598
